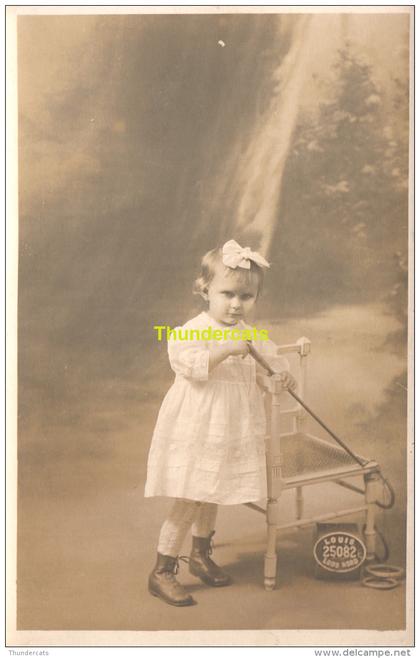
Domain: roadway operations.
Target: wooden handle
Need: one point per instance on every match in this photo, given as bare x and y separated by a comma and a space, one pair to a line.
260, 359
257, 356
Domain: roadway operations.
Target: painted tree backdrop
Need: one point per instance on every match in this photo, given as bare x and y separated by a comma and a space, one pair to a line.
146, 140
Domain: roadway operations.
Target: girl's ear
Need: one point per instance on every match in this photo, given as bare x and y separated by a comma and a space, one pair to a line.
204, 294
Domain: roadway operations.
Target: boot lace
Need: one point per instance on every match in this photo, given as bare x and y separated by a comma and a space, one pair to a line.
211, 543
170, 574
183, 558
172, 568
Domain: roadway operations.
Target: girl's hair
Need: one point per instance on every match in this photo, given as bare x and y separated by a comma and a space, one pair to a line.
208, 269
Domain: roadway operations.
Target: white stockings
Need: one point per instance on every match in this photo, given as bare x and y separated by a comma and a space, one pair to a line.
184, 514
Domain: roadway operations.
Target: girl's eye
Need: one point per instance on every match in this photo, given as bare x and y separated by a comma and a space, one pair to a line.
227, 293
245, 297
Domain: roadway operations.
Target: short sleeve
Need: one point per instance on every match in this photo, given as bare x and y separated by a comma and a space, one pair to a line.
189, 358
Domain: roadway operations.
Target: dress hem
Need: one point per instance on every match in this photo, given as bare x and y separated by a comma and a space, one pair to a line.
216, 501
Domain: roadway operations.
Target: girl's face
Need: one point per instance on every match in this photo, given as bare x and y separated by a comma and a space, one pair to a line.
231, 297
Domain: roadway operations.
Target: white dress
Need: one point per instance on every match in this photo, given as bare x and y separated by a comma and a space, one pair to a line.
208, 442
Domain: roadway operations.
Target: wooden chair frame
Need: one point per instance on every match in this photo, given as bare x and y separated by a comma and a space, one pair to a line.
279, 480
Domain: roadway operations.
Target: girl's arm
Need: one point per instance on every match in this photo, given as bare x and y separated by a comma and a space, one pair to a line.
219, 353
194, 360
189, 358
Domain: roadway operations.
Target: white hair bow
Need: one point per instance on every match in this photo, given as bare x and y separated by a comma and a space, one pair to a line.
233, 255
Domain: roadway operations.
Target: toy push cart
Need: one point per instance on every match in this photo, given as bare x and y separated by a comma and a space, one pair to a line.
297, 459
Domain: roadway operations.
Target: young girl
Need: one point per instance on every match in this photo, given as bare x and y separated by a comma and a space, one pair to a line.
208, 444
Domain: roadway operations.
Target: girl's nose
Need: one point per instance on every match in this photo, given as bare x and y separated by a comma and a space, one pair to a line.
236, 303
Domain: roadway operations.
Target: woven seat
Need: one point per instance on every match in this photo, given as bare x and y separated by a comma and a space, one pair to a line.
303, 454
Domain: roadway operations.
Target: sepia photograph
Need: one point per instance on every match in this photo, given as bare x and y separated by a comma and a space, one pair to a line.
210, 380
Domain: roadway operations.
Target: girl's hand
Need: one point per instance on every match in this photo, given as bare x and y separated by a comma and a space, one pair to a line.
261, 380
237, 348
219, 353
287, 380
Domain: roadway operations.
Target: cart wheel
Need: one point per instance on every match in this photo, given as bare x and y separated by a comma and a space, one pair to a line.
269, 584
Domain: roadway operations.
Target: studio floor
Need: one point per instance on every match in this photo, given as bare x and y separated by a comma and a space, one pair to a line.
87, 540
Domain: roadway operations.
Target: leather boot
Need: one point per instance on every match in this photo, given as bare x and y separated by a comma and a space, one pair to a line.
163, 582
202, 566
